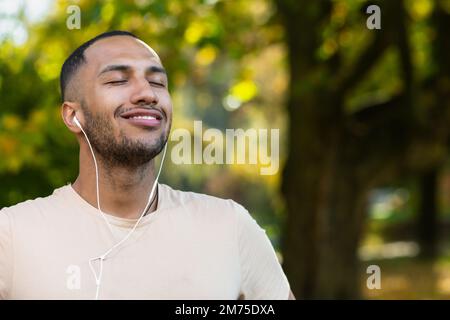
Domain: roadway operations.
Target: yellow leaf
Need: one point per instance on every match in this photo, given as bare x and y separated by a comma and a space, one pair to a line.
194, 32
420, 9
7, 145
11, 122
244, 90
206, 55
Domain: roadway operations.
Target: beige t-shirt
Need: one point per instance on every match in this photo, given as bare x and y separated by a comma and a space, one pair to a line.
193, 246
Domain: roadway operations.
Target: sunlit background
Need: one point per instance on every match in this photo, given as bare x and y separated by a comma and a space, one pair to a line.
227, 64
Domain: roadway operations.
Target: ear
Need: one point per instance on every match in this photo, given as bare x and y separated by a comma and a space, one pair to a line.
68, 112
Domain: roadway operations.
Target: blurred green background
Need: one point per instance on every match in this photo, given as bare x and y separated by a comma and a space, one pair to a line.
363, 116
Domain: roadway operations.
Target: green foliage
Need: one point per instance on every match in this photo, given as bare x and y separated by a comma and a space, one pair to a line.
211, 49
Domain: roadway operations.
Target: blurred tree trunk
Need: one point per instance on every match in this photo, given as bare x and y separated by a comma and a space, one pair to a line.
437, 86
427, 225
334, 157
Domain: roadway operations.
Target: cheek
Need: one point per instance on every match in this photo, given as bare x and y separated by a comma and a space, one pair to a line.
166, 103
109, 96
107, 102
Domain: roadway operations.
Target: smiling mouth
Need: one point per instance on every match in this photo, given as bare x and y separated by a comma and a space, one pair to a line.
145, 121
143, 117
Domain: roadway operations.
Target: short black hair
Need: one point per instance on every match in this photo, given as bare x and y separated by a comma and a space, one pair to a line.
77, 58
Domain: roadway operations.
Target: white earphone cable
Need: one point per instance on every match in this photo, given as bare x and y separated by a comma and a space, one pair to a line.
96, 179
102, 257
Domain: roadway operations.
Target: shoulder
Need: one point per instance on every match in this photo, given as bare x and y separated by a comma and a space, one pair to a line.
32, 208
25, 206
4, 223
199, 203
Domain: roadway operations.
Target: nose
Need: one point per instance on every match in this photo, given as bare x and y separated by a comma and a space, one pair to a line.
144, 93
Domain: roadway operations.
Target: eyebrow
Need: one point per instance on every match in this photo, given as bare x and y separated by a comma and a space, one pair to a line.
125, 68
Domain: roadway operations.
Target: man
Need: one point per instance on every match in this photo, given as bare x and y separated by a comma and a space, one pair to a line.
115, 233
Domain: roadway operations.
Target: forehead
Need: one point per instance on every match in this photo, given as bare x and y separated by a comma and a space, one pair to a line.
120, 49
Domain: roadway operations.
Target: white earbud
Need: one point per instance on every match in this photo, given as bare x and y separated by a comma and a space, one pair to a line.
75, 120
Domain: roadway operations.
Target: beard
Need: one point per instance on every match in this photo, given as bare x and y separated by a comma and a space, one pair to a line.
125, 152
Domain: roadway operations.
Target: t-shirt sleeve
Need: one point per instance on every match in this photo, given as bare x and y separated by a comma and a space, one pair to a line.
262, 277
5, 255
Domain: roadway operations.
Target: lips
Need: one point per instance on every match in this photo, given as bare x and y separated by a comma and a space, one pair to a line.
143, 117
140, 112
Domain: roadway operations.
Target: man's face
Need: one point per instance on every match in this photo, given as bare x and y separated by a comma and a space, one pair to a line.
126, 107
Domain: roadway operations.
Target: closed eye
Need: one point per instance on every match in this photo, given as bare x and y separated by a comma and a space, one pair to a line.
158, 84
116, 82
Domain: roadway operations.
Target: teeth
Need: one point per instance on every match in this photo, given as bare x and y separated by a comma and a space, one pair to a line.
143, 117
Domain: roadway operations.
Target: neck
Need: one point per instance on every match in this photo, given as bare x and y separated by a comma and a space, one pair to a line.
123, 191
